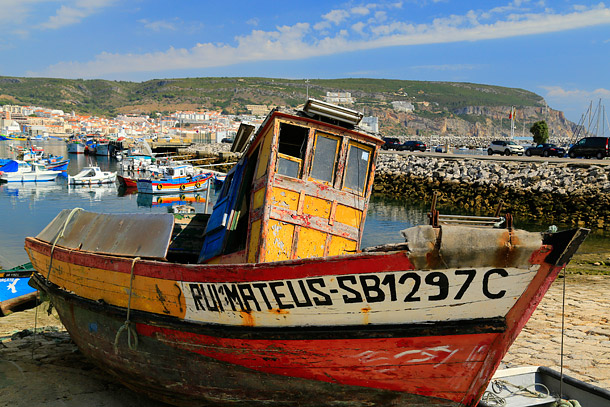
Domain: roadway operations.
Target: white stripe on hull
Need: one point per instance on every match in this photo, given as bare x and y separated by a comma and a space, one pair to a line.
376, 298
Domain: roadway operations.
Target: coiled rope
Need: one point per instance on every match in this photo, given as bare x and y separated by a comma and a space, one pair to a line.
492, 398
60, 235
132, 335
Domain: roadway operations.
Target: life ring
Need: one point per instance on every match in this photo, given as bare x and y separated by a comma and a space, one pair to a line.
182, 187
159, 200
198, 184
159, 187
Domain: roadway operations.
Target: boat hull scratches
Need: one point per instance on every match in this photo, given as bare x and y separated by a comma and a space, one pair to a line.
186, 378
181, 362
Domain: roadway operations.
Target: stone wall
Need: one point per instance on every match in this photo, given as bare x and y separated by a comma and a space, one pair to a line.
566, 193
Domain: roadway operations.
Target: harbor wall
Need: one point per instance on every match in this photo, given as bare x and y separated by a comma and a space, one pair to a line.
563, 193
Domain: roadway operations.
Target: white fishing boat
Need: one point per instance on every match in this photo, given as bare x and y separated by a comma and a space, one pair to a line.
92, 175
34, 172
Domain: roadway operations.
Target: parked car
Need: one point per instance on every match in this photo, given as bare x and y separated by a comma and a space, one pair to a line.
413, 145
226, 140
390, 143
545, 150
590, 147
505, 147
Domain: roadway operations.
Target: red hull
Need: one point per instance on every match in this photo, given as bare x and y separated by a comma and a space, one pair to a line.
127, 182
399, 362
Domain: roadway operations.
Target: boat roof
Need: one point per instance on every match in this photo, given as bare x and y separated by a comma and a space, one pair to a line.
313, 118
115, 234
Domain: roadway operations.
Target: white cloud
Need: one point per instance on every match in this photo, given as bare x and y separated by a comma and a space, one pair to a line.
359, 27
303, 40
75, 13
361, 11
16, 12
158, 25
559, 92
336, 16
574, 102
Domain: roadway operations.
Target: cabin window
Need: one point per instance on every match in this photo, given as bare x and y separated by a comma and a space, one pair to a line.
324, 163
291, 149
357, 168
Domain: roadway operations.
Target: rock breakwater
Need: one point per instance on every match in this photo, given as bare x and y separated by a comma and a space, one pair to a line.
565, 193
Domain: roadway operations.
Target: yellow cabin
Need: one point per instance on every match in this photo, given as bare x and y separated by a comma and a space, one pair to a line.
300, 190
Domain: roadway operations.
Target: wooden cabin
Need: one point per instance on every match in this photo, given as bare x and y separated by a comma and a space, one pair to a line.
300, 190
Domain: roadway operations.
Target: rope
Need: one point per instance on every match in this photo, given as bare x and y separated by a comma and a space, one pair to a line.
128, 325
563, 318
492, 398
61, 234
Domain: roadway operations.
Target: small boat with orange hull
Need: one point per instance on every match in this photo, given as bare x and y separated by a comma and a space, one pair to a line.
271, 301
176, 180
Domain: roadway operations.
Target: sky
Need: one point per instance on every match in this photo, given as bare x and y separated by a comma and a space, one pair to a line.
559, 49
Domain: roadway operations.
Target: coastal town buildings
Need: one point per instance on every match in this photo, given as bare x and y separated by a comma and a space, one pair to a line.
200, 126
184, 126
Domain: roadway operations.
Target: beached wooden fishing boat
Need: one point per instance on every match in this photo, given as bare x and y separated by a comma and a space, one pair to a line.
270, 301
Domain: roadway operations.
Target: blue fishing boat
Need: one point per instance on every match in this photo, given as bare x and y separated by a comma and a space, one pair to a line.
14, 289
58, 166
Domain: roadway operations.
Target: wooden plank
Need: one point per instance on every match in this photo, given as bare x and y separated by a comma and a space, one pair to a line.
348, 216
320, 224
320, 208
279, 240
319, 190
310, 243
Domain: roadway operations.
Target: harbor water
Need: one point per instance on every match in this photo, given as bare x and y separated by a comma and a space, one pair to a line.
27, 208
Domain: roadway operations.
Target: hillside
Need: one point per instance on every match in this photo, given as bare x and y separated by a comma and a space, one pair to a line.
439, 107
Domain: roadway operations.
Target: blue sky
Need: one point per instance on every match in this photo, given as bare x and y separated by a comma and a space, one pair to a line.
559, 49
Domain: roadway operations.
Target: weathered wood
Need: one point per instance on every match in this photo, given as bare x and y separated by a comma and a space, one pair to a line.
7, 307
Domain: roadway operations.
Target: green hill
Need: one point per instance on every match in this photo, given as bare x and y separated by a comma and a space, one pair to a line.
107, 98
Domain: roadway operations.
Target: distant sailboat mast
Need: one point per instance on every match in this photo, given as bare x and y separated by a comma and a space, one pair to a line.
511, 116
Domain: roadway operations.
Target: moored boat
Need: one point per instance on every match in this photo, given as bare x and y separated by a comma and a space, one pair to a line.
127, 181
76, 147
175, 180
28, 172
270, 300
58, 166
92, 175
104, 148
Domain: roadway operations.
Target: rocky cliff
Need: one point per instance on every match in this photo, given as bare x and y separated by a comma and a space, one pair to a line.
477, 124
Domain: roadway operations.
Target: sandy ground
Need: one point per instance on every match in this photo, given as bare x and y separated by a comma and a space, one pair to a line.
48, 370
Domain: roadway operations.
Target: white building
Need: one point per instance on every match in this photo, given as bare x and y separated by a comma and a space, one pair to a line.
370, 123
403, 106
338, 97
